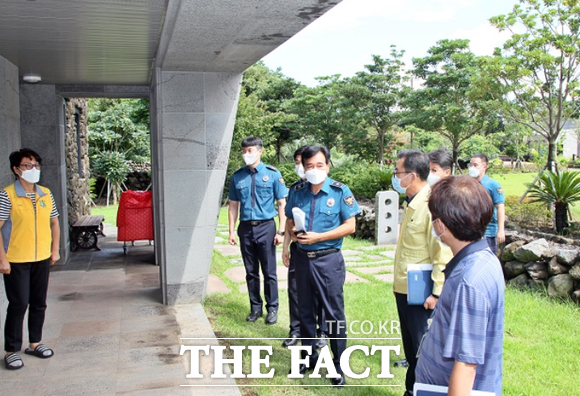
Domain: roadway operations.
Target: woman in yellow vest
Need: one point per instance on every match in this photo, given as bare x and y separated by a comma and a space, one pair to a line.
30, 237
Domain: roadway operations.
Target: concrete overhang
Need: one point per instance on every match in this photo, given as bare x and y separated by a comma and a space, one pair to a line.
120, 42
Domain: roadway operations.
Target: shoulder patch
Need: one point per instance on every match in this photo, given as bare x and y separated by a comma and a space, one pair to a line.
349, 200
299, 186
337, 184
281, 180
297, 182
500, 190
271, 168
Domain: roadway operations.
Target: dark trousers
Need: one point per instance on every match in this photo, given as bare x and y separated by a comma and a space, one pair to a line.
413, 320
26, 287
321, 279
259, 251
293, 299
492, 242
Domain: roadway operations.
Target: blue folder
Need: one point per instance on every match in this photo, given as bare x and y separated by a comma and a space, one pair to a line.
419, 283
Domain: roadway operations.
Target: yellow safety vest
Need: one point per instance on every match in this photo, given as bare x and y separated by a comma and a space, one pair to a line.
28, 232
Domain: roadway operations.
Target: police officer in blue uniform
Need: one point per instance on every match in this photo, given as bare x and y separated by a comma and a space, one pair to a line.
253, 192
330, 213
289, 259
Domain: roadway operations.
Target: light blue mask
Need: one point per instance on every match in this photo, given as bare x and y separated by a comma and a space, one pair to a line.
396, 182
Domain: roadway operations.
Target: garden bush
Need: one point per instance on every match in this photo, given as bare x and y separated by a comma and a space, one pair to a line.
363, 179
527, 214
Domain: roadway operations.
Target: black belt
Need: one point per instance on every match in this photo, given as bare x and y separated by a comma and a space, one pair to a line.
256, 222
318, 253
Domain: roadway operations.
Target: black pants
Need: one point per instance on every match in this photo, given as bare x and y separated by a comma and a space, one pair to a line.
413, 326
26, 287
259, 251
293, 300
322, 279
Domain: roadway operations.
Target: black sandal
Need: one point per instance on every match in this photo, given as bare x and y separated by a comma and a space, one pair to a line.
13, 361
41, 351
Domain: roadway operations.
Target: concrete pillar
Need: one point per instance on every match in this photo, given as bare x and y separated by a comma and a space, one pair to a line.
192, 122
9, 118
42, 125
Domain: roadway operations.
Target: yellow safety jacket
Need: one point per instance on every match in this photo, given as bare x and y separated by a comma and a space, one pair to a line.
416, 244
27, 234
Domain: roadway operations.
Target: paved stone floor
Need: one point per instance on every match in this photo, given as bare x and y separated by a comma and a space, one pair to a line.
110, 332
370, 261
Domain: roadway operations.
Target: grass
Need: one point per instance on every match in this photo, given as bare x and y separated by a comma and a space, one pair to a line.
541, 348
110, 213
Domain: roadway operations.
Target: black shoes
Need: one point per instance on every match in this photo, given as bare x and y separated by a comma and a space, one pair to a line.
402, 363
291, 340
272, 318
253, 316
338, 382
321, 342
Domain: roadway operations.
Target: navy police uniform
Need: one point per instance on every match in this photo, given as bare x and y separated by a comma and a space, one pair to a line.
320, 269
256, 190
293, 291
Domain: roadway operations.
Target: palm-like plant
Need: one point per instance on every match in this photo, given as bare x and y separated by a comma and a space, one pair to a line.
560, 190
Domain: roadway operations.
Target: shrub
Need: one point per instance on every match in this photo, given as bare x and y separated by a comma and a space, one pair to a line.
527, 214
363, 179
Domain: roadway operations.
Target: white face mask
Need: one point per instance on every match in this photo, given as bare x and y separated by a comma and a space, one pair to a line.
250, 159
438, 237
473, 171
299, 169
433, 178
315, 176
31, 176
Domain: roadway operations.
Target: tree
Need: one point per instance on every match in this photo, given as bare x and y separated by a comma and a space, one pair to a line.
322, 113
377, 93
561, 190
537, 71
449, 103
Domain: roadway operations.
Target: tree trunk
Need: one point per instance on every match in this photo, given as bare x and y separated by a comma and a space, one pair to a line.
561, 216
279, 150
455, 167
552, 155
381, 148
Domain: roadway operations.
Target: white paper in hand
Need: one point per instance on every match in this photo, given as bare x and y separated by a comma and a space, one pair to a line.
299, 219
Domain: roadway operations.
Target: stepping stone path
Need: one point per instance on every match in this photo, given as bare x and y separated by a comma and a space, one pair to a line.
216, 285
228, 250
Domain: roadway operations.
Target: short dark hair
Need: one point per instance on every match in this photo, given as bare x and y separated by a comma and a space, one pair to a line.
483, 157
299, 151
252, 141
442, 158
17, 156
463, 205
416, 162
311, 151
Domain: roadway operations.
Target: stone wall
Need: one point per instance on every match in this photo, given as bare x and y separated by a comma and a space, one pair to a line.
77, 160
529, 261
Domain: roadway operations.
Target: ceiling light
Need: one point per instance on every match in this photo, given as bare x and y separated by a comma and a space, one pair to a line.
31, 78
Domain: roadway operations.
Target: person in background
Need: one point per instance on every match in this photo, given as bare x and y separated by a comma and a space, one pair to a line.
289, 259
30, 239
416, 245
253, 191
495, 232
330, 214
464, 344
440, 165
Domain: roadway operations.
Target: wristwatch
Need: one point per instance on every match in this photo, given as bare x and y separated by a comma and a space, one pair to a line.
280, 233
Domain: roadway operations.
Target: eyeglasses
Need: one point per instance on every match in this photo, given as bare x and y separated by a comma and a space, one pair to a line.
29, 166
396, 173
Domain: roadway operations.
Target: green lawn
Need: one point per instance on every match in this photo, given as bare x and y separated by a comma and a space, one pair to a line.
514, 183
110, 213
541, 348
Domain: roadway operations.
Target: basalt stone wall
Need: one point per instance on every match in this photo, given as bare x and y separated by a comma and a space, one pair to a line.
543, 261
77, 160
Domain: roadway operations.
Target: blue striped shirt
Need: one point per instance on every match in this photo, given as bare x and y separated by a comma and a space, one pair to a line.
468, 321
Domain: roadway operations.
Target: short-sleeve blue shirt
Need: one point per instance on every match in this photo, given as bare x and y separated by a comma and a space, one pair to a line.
496, 192
332, 206
468, 322
256, 190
